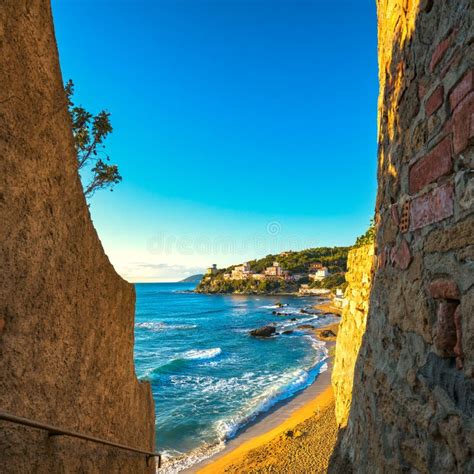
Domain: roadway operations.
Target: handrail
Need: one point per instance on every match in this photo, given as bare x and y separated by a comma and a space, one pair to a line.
55, 431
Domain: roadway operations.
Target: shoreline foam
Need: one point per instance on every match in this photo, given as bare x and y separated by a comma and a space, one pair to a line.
283, 418
268, 424
272, 412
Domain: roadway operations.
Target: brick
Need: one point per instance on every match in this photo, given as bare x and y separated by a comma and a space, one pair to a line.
443, 288
405, 218
446, 338
462, 88
436, 163
463, 124
439, 52
452, 64
432, 207
435, 101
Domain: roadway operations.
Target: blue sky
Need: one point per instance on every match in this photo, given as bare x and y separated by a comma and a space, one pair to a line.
241, 127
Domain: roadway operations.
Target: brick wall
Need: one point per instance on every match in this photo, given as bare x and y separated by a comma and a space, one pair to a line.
413, 396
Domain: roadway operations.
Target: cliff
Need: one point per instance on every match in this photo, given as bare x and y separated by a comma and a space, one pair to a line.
413, 393
66, 317
352, 327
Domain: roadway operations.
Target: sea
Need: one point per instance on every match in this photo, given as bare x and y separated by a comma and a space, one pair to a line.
208, 376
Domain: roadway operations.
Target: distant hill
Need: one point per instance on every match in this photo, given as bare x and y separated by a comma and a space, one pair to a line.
193, 278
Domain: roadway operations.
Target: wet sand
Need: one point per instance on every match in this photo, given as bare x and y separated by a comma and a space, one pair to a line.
296, 436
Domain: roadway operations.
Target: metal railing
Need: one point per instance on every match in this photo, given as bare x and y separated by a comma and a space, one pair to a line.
56, 431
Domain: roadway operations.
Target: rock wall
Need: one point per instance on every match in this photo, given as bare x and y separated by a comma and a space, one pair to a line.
352, 327
413, 399
66, 317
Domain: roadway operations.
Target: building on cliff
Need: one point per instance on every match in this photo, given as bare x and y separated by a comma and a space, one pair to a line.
410, 406
66, 318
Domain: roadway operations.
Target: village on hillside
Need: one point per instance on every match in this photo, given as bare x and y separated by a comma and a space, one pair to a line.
317, 272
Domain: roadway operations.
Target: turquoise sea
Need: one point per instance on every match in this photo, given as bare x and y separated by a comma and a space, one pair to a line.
209, 377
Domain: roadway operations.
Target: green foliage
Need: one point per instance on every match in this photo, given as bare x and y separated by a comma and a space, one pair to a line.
368, 237
331, 282
335, 258
89, 132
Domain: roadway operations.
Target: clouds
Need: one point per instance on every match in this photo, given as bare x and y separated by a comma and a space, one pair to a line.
150, 272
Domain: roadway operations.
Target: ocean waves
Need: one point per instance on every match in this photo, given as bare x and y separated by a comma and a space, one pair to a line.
288, 385
208, 376
180, 362
157, 326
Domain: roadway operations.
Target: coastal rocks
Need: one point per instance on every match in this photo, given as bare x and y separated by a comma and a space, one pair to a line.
288, 331
305, 326
264, 331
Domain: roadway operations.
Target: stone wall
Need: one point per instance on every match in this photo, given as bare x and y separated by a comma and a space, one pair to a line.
66, 317
413, 399
352, 327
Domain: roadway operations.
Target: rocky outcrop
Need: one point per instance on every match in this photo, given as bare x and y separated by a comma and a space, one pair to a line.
66, 317
264, 331
352, 327
412, 402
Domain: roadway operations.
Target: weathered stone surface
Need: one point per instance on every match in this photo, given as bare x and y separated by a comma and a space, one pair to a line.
443, 288
351, 327
438, 372
411, 409
435, 164
458, 346
66, 348
432, 207
454, 237
445, 337
401, 255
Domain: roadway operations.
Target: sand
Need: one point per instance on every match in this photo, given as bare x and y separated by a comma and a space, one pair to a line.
297, 437
301, 444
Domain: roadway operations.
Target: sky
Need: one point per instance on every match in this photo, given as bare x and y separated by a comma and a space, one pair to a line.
241, 127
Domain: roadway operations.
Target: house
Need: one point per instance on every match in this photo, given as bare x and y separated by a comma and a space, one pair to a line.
314, 267
274, 271
241, 272
319, 274
212, 270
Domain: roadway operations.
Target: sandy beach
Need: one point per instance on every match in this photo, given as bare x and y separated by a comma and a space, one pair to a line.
295, 437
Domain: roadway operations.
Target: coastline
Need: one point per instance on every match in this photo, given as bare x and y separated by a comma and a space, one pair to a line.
281, 418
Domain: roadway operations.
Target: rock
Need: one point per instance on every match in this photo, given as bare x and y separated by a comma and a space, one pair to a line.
327, 333
306, 326
443, 288
293, 319
446, 337
264, 331
288, 331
